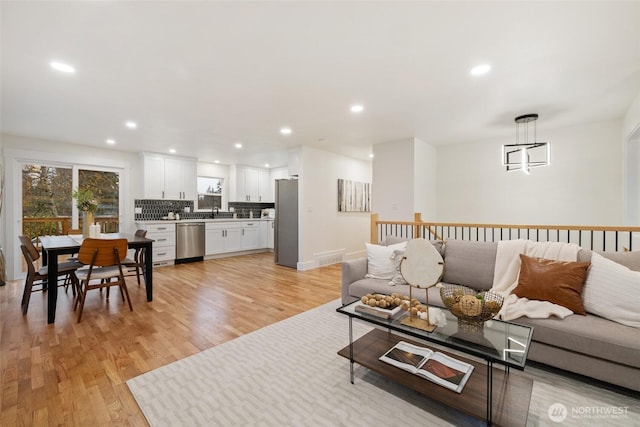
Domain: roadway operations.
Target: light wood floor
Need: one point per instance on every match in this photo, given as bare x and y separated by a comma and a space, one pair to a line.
74, 374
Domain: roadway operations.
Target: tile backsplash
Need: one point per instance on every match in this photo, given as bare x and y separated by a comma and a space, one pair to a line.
153, 210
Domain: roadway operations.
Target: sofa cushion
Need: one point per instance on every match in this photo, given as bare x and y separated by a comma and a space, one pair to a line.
393, 240
613, 291
470, 263
630, 259
591, 335
559, 282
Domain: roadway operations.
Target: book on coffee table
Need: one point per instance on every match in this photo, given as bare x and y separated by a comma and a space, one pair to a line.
432, 365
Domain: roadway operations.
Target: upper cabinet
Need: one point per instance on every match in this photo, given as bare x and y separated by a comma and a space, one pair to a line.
169, 177
250, 184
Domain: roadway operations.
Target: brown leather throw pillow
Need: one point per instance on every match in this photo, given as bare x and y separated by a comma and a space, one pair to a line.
559, 282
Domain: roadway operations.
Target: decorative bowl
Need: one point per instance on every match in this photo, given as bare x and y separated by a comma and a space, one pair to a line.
469, 305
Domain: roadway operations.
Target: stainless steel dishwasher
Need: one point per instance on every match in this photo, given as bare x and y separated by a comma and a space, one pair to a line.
189, 241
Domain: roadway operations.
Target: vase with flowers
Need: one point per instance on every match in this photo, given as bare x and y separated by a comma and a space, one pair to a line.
87, 204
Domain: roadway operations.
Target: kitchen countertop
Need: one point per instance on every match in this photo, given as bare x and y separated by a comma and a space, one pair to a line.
173, 221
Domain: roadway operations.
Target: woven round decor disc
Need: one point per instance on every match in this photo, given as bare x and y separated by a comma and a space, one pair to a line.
422, 265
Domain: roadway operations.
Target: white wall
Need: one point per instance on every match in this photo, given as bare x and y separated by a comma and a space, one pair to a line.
632, 181
405, 180
393, 180
322, 229
631, 121
582, 186
631, 149
425, 189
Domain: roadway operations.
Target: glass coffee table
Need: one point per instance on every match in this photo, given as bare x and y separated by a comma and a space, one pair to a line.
496, 395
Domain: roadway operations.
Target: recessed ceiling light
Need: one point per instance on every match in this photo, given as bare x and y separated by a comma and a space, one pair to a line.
356, 108
371, 156
131, 125
61, 66
238, 145
480, 69
285, 131
266, 165
110, 141
172, 150
216, 161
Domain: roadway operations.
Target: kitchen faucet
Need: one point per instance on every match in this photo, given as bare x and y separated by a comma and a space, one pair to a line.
214, 211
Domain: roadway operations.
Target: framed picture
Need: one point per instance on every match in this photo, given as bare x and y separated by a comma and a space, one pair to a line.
354, 196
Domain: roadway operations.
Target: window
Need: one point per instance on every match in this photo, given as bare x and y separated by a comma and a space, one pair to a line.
46, 199
209, 193
47, 204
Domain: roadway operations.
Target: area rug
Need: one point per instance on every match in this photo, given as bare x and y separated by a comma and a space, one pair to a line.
288, 374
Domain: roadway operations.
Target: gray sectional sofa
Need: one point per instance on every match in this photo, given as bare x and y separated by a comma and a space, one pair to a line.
588, 345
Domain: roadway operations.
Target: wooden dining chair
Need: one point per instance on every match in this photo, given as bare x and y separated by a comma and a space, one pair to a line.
38, 276
103, 258
135, 265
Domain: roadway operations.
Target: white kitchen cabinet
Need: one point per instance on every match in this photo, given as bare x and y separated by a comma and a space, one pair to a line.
222, 237
250, 235
164, 245
153, 167
249, 184
265, 194
277, 173
270, 234
168, 177
180, 179
264, 233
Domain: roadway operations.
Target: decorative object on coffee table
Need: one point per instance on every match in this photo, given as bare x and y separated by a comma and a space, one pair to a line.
421, 267
472, 308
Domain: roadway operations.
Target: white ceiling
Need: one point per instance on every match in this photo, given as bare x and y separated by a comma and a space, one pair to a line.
200, 76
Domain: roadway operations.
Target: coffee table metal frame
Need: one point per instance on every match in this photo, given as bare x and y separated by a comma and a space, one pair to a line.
499, 342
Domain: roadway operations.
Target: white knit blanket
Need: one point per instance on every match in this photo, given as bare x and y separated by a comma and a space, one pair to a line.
507, 270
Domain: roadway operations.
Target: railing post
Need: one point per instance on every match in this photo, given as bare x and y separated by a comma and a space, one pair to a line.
374, 228
417, 229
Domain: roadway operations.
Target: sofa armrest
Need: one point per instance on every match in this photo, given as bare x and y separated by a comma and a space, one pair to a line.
352, 271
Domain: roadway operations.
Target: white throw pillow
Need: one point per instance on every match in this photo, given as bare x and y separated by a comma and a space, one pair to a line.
612, 291
396, 258
379, 262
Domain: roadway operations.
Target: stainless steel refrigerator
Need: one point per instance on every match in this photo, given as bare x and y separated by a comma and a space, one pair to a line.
286, 223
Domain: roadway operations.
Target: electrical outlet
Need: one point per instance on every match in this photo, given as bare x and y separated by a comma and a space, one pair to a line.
137, 210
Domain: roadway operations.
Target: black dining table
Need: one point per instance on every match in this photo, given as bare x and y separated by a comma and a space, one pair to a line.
54, 246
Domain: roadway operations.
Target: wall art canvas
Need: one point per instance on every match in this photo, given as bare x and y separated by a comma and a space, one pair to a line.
354, 196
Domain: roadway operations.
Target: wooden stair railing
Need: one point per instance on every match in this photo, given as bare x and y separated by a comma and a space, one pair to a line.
602, 238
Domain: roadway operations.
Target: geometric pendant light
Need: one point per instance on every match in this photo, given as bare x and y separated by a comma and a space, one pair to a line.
527, 154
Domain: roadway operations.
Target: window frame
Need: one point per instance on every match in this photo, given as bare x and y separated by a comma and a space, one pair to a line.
13, 160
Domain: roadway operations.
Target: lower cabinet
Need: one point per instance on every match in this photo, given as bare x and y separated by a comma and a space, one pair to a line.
267, 233
222, 237
251, 236
271, 234
164, 245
